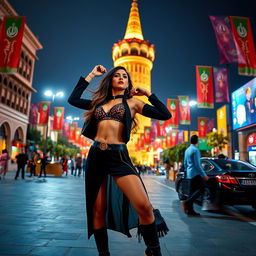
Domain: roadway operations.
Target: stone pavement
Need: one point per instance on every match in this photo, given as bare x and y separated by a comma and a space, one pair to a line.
45, 217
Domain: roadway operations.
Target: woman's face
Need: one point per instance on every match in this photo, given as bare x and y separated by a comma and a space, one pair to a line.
120, 80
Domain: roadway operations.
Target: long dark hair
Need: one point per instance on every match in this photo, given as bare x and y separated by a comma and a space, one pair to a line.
104, 92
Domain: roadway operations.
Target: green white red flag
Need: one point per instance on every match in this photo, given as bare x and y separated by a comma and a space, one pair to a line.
202, 121
72, 132
168, 140
160, 125
147, 133
184, 109
142, 141
58, 118
174, 138
243, 38
44, 110
204, 85
172, 105
11, 34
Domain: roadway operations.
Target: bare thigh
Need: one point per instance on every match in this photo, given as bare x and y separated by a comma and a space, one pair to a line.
99, 209
133, 189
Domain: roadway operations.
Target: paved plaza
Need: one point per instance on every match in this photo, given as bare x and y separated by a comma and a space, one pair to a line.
46, 217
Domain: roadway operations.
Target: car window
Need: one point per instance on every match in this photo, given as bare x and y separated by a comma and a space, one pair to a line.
230, 165
207, 166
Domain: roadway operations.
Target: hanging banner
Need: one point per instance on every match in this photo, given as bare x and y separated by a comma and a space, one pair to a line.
78, 140
204, 87
33, 114
72, 132
58, 118
153, 130
174, 138
225, 40
65, 129
11, 35
168, 140
184, 109
243, 37
44, 111
172, 105
202, 126
221, 84
142, 141
180, 136
209, 125
186, 136
147, 133
161, 132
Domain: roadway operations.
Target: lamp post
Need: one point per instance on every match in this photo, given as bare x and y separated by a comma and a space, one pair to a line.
51, 94
192, 104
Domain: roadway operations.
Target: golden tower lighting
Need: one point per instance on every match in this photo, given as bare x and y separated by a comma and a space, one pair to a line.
137, 56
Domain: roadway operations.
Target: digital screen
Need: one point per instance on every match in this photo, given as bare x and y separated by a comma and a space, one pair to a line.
244, 105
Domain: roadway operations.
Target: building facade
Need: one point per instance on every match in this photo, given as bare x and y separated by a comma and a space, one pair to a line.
16, 91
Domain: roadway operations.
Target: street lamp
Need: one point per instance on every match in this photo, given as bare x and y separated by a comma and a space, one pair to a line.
71, 118
192, 103
51, 94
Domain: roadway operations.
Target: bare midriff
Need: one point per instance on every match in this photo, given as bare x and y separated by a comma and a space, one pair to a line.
110, 132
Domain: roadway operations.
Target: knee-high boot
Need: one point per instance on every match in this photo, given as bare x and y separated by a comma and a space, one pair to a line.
149, 233
101, 239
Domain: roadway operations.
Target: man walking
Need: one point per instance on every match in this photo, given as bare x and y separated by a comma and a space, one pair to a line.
22, 159
196, 175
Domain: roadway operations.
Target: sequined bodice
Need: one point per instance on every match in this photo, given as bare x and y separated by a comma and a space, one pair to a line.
115, 113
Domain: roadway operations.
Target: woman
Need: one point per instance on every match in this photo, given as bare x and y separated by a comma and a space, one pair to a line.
4, 157
115, 195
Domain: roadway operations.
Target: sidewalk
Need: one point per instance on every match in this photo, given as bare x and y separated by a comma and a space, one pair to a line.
46, 217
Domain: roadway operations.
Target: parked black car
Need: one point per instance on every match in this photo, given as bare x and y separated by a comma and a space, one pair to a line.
231, 182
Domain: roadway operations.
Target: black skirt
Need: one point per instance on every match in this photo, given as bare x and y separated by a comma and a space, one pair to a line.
106, 161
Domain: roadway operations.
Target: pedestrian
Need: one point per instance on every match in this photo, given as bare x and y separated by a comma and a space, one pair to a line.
167, 167
64, 163
4, 158
33, 163
72, 165
108, 122
44, 162
196, 175
22, 160
78, 165
84, 166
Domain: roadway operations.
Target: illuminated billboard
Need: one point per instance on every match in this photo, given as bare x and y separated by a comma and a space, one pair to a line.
244, 105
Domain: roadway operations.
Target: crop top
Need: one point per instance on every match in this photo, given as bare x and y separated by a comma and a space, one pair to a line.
115, 113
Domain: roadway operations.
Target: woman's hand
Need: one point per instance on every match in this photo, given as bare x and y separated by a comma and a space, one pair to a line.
138, 91
98, 70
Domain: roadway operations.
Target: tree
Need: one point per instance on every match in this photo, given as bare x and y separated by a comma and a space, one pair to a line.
33, 136
217, 140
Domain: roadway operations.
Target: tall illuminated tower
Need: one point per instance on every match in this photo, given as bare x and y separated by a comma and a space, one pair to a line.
137, 56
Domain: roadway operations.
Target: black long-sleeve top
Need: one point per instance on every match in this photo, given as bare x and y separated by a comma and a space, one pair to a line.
157, 111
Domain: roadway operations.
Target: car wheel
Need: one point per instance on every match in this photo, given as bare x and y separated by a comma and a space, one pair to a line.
180, 192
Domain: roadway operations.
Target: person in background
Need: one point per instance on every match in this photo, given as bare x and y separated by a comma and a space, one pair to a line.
22, 160
196, 175
4, 157
44, 162
72, 165
84, 166
64, 163
78, 165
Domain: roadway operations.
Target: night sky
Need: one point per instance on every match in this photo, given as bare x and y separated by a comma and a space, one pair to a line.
77, 35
